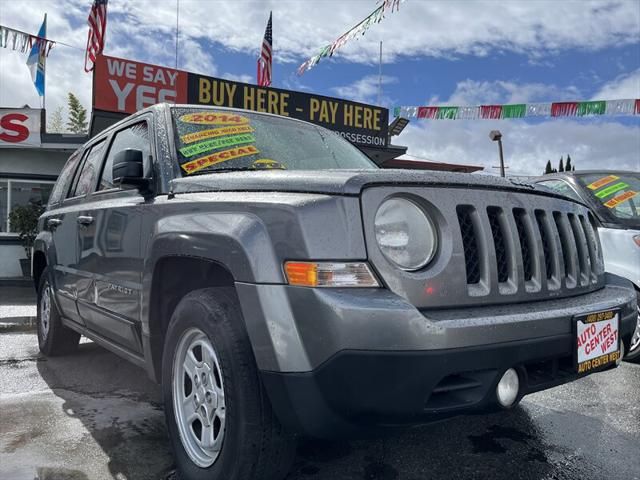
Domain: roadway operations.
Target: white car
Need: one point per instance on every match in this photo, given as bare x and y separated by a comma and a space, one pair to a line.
614, 197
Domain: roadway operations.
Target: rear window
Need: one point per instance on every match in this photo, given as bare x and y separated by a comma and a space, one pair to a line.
209, 140
619, 193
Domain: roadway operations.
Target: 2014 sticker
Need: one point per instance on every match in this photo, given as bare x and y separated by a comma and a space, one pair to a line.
214, 118
216, 143
215, 132
218, 157
615, 201
602, 182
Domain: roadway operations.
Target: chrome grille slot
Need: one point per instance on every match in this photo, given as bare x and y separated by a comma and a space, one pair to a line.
568, 246
468, 219
550, 255
526, 242
500, 243
584, 261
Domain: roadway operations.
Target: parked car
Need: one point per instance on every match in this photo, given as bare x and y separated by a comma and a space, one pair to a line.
276, 282
614, 197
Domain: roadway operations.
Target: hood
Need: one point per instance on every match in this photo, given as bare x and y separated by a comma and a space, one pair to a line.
344, 182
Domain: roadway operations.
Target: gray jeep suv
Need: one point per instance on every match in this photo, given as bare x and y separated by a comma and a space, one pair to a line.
276, 282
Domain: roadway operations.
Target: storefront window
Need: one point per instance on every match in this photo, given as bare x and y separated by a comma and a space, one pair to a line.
20, 192
4, 202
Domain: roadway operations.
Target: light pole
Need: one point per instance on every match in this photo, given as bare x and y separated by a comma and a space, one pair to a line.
496, 136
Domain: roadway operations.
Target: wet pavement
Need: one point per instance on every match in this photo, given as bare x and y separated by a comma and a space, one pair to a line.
94, 416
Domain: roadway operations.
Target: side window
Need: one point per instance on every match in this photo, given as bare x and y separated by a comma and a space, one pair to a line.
561, 187
136, 137
64, 179
87, 176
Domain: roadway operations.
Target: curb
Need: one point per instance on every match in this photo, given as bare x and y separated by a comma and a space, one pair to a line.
17, 324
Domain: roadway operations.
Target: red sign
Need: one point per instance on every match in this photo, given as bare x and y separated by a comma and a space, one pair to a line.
19, 127
125, 86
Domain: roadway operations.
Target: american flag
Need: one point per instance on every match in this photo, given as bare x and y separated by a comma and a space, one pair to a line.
97, 28
265, 60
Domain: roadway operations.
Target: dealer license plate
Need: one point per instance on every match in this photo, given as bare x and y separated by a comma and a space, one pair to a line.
597, 341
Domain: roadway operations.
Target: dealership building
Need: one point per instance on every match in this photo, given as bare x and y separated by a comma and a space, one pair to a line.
30, 161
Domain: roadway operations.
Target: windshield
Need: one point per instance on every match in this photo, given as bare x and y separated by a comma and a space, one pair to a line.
616, 193
210, 140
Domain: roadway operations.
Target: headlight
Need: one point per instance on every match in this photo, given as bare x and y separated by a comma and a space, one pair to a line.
405, 234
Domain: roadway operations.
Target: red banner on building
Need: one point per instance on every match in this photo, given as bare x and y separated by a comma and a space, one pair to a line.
125, 86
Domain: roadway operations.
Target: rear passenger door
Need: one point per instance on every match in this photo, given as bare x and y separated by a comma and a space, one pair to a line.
110, 247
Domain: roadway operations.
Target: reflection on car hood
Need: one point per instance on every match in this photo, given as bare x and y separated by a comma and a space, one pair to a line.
345, 182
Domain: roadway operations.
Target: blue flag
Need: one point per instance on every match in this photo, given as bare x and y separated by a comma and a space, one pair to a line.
37, 57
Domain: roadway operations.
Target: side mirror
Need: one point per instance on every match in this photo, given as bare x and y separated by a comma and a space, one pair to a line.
128, 170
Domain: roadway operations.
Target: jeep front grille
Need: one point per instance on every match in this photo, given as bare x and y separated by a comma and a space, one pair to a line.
523, 246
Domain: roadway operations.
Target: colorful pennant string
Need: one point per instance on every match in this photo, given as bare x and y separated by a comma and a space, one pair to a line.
522, 110
23, 42
360, 29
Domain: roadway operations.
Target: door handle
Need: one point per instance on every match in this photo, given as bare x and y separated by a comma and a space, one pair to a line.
85, 220
52, 223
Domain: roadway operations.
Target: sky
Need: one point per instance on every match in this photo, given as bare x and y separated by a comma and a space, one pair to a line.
449, 52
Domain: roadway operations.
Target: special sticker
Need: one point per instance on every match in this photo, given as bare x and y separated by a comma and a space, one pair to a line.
214, 118
602, 182
218, 157
215, 132
615, 201
216, 143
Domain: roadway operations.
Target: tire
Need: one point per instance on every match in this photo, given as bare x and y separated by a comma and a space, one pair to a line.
633, 355
53, 338
207, 327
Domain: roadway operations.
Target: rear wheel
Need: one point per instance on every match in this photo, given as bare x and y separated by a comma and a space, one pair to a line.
219, 418
53, 337
633, 355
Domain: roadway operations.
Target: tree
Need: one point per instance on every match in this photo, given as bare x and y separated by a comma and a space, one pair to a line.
56, 124
77, 116
567, 167
561, 165
548, 168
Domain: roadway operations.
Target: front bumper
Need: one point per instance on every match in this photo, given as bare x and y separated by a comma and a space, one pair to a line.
343, 362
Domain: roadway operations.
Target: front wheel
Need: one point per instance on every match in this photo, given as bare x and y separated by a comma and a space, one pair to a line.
633, 355
219, 418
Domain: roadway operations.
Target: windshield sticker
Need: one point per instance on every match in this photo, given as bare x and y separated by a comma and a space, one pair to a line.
213, 118
218, 157
611, 190
215, 132
602, 182
615, 201
268, 164
215, 143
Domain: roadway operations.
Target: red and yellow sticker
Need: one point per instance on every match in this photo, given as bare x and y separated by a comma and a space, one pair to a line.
214, 118
218, 157
215, 132
602, 182
615, 201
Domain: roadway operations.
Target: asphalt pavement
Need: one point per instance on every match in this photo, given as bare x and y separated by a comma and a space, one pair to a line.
94, 416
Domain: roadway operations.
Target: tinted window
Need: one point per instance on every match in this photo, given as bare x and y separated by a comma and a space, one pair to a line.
90, 168
64, 179
213, 140
135, 137
561, 187
619, 193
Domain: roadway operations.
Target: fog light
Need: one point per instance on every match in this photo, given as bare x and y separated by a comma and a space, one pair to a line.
508, 388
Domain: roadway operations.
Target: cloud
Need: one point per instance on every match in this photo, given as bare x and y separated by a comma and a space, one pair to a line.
473, 92
623, 87
364, 90
527, 147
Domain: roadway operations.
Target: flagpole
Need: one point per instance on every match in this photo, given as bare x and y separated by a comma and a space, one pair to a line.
380, 76
177, 29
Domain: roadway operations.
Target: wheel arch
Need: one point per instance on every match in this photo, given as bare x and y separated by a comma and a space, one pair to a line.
174, 276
